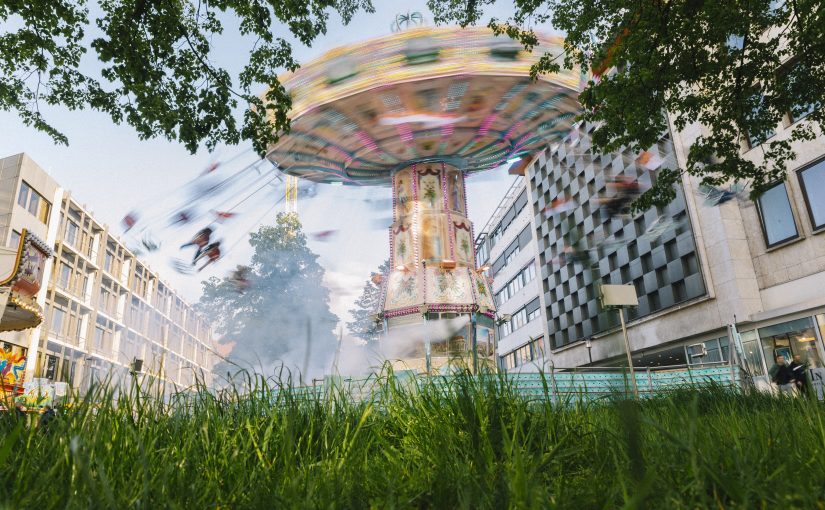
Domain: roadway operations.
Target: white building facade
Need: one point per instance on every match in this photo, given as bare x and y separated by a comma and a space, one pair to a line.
106, 314
506, 246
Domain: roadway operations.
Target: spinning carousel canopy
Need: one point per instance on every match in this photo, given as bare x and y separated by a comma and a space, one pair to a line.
461, 96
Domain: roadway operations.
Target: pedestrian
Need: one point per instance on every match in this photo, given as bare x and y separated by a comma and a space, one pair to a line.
46, 416
782, 375
800, 375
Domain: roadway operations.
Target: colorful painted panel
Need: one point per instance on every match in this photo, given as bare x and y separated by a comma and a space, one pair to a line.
403, 195
402, 290
12, 367
30, 271
429, 190
463, 243
449, 287
484, 296
432, 237
455, 187
403, 248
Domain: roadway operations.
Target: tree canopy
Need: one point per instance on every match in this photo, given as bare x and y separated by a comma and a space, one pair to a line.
280, 313
157, 71
740, 68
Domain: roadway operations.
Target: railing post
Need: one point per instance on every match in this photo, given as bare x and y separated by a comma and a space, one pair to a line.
649, 381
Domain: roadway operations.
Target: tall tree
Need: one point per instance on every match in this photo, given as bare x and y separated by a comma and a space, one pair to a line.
740, 68
279, 312
157, 68
367, 304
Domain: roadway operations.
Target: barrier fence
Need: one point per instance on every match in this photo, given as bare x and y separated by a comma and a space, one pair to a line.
558, 385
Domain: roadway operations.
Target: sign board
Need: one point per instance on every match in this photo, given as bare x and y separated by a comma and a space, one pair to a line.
619, 295
31, 260
38, 392
61, 389
817, 376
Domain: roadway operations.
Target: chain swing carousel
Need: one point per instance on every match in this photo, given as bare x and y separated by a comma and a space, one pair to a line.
419, 111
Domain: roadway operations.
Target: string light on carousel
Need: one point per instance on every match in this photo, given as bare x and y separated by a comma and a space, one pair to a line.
418, 111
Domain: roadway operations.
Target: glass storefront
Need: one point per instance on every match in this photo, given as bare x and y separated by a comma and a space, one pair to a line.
710, 351
751, 353
790, 339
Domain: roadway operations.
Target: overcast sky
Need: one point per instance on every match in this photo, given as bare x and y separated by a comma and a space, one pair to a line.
110, 170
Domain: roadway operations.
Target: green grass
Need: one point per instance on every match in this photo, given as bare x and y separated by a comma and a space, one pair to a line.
467, 444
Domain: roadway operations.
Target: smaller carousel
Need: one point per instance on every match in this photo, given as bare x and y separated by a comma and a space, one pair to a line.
21, 275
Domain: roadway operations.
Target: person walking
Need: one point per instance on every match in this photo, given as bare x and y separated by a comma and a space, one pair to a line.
46, 416
800, 375
782, 375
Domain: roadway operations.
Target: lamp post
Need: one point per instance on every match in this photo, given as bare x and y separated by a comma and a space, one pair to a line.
621, 296
588, 345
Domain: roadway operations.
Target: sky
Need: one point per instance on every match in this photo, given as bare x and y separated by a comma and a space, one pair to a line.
110, 170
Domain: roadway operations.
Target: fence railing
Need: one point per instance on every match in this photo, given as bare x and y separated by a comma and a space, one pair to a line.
558, 385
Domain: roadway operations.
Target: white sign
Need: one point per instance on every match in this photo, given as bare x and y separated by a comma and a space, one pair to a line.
619, 295
818, 382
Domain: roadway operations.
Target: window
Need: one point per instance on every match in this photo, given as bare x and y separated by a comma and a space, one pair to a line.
506, 328
14, 241
797, 74
496, 236
759, 137
529, 273
99, 337
790, 339
512, 254
777, 219
71, 232
23, 196
56, 326
65, 275
813, 187
33, 202
751, 353
519, 319
711, 351
482, 253
528, 352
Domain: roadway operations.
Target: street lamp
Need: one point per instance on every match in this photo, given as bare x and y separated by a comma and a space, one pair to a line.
588, 345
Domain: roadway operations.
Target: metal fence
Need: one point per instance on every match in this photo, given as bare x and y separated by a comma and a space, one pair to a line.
557, 385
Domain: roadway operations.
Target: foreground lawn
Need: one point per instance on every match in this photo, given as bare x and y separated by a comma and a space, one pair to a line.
471, 445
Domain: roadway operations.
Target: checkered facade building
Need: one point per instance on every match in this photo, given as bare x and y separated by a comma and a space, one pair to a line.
665, 269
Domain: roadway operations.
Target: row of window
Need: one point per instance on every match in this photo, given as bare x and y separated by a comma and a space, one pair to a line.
33, 202
778, 223
526, 314
512, 250
512, 213
531, 351
525, 276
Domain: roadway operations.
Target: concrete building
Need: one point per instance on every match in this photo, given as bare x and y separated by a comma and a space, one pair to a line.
106, 312
507, 247
698, 267
27, 198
